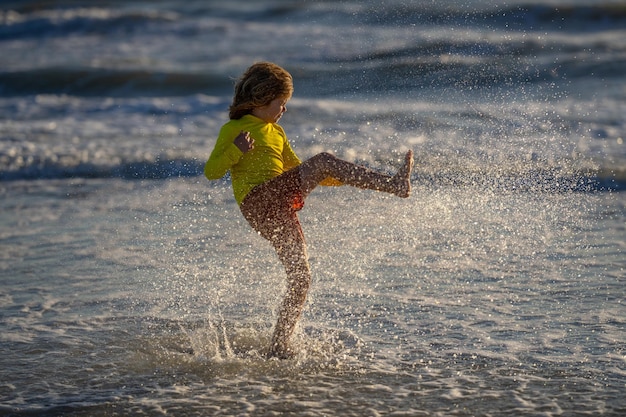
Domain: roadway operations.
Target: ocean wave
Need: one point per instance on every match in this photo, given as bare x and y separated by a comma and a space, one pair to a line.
159, 169
529, 180
530, 17
565, 18
439, 64
493, 49
108, 82
401, 72
534, 180
22, 22
35, 19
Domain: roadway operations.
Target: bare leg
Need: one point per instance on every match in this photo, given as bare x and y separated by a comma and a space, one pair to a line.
324, 165
268, 210
283, 230
291, 248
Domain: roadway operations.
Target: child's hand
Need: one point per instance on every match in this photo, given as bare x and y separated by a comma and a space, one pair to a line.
244, 142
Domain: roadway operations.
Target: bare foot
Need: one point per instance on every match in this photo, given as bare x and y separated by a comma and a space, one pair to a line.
285, 353
403, 177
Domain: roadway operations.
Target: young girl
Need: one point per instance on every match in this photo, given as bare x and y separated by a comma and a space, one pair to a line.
270, 183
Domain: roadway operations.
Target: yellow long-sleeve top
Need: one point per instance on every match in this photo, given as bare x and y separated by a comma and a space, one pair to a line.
272, 155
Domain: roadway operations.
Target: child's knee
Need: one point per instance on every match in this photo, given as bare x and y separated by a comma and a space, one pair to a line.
325, 160
323, 156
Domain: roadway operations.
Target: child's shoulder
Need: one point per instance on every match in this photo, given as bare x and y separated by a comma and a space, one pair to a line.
245, 121
234, 126
250, 123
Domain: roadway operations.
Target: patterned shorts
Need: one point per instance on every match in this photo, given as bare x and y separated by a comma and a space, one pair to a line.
271, 206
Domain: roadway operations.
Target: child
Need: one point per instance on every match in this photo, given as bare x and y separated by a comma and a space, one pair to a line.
270, 183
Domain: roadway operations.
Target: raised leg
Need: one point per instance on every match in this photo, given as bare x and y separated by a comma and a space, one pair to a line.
283, 229
316, 169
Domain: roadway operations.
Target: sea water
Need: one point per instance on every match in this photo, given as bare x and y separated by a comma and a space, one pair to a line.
131, 285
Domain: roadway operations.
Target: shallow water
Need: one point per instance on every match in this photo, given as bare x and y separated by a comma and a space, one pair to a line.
458, 301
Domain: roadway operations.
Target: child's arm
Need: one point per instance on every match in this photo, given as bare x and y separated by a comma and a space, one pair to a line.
226, 154
221, 160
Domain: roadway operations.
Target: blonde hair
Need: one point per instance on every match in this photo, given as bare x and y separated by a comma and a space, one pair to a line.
262, 83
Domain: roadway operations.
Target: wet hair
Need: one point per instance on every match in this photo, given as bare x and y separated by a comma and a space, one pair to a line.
262, 83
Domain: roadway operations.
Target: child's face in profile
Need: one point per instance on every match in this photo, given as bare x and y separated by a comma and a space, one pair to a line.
273, 111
